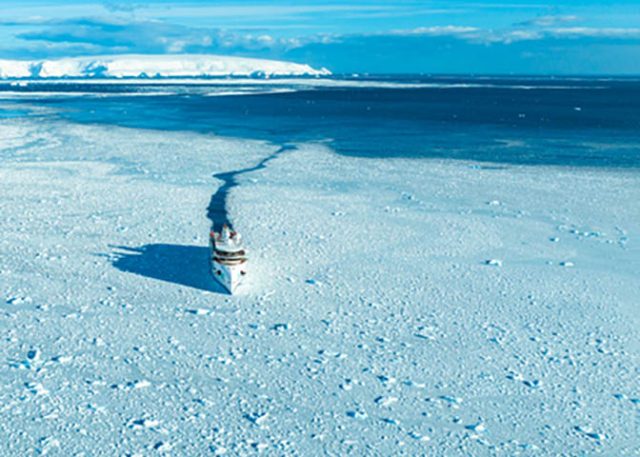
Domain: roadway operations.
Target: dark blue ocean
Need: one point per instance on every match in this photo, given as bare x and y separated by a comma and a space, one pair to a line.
537, 121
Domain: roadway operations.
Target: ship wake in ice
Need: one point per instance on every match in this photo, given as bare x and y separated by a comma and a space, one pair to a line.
217, 211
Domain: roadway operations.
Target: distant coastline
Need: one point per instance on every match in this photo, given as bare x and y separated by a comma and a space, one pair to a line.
151, 66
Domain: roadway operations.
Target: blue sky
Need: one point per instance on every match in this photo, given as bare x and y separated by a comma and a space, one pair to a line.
407, 36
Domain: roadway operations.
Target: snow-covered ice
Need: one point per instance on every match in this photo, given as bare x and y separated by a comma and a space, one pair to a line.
152, 66
378, 332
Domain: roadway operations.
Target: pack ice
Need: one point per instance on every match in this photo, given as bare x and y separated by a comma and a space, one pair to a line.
395, 307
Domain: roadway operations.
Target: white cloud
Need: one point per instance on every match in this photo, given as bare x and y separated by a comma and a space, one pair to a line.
548, 21
438, 30
518, 34
271, 11
176, 46
606, 32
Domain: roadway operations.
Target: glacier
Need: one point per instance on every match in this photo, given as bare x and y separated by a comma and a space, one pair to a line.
153, 66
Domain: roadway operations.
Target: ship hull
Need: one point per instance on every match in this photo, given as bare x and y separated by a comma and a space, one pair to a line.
229, 276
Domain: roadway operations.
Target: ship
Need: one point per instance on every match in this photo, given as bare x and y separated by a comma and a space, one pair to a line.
228, 258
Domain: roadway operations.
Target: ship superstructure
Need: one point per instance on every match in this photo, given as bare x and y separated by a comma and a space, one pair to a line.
228, 258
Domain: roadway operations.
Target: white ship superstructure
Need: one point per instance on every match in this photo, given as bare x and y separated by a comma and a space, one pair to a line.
228, 258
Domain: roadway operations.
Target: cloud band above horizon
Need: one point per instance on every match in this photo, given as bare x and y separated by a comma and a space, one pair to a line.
346, 37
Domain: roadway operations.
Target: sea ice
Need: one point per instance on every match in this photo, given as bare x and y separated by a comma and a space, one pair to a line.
136, 351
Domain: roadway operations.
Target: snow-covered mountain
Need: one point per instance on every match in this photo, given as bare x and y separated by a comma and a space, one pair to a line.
153, 66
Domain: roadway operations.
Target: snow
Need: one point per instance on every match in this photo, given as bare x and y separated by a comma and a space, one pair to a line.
152, 66
378, 332
15, 69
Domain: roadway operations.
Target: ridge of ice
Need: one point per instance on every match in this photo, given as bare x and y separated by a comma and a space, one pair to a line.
153, 66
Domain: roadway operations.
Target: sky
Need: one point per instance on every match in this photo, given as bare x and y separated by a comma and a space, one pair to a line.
353, 36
